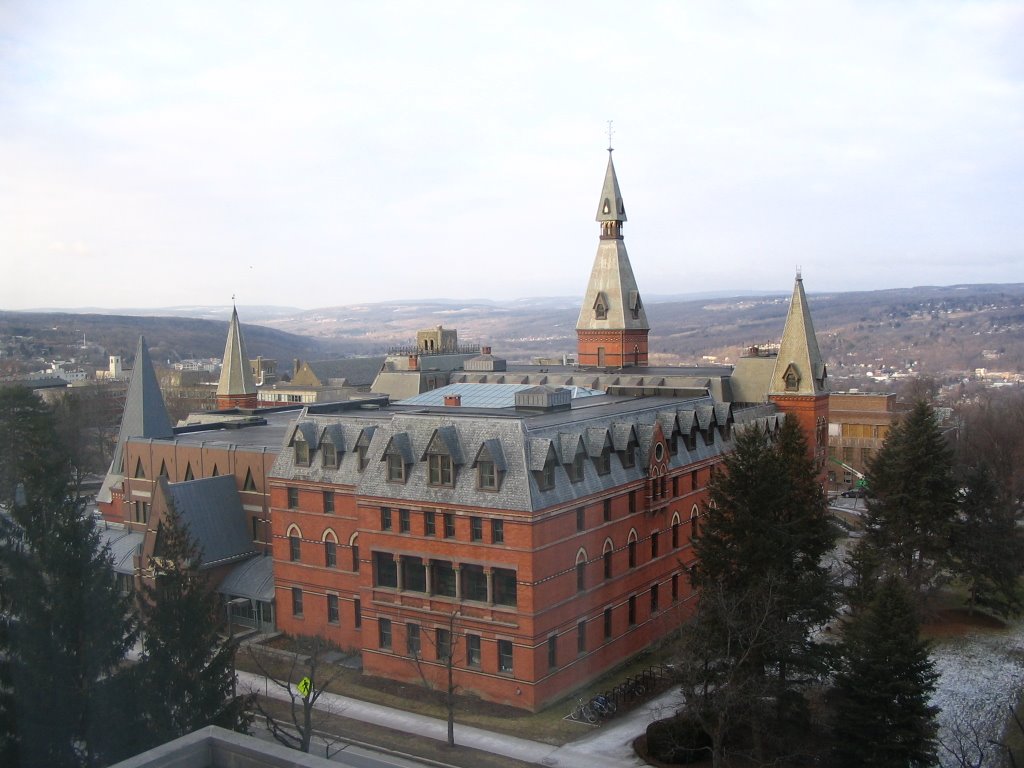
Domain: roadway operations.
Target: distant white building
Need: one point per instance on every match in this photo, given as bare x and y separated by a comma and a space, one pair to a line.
115, 371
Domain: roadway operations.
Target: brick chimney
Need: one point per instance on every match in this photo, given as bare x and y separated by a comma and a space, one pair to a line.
485, 350
453, 400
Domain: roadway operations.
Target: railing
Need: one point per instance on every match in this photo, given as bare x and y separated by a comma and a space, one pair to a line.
459, 349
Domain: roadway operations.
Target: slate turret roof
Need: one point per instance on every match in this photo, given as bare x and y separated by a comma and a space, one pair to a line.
799, 367
235, 374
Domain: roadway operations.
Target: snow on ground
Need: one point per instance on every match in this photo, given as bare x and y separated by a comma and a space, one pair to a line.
980, 673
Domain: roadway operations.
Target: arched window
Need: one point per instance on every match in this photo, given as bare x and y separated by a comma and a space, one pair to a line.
675, 531
631, 546
294, 543
330, 549
606, 557
694, 521
353, 544
581, 570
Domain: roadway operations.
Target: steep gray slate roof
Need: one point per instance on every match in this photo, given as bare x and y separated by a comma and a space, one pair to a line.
235, 374
355, 371
123, 545
212, 510
519, 443
144, 415
253, 579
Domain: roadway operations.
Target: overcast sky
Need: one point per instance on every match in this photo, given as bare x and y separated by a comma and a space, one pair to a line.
315, 154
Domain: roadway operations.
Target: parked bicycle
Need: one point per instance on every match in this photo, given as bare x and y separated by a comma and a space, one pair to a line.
603, 706
583, 713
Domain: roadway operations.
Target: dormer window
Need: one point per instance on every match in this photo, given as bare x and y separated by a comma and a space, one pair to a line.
361, 456
486, 475
601, 307
628, 456
546, 477
575, 468
603, 461
329, 455
441, 470
791, 378
635, 305
396, 468
302, 453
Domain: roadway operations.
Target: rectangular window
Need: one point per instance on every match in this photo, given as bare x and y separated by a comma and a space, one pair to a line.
603, 462
505, 656
302, 453
257, 529
654, 544
333, 615
330, 553
504, 586
294, 548
429, 528
362, 457
355, 557
476, 529
607, 558
632, 610
385, 518
581, 518
654, 598
404, 521
847, 453
675, 587
607, 623
412, 640
472, 650
607, 510
497, 531
628, 456
385, 570
329, 455
293, 498
384, 633
631, 547
296, 601
553, 652
581, 576
328, 502
414, 574
675, 485
449, 525
440, 470
581, 637
546, 476
396, 468
442, 578
357, 613
575, 469
486, 476
443, 644
632, 502
694, 481
474, 583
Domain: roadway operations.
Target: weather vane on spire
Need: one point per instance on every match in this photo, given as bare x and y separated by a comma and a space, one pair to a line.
610, 132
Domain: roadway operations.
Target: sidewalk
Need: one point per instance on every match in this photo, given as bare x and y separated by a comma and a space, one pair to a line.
609, 746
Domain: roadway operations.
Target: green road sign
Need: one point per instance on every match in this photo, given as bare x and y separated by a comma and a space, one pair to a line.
305, 686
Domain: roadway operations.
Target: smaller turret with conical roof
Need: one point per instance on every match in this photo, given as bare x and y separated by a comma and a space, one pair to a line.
236, 388
144, 415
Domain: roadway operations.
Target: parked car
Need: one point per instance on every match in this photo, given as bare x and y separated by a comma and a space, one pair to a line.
855, 493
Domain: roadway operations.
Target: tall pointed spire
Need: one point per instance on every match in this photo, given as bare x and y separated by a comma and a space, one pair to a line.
236, 388
612, 328
799, 368
145, 415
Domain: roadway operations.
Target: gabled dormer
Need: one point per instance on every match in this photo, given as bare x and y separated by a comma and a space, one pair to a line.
599, 448
542, 462
303, 442
443, 456
573, 455
489, 465
332, 446
397, 456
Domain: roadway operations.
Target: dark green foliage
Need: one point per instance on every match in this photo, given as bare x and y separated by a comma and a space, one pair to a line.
883, 717
988, 546
67, 628
183, 656
912, 505
680, 741
764, 589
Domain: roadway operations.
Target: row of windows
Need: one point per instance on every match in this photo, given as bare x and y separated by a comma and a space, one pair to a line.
441, 471
430, 527
333, 608
330, 545
442, 578
140, 474
443, 646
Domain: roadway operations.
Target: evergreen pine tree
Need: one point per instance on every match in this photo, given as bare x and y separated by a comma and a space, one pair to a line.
988, 545
883, 716
760, 553
67, 627
913, 501
186, 666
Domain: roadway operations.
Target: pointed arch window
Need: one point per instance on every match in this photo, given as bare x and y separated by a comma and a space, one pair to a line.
601, 307
140, 473
330, 549
581, 570
250, 484
188, 472
631, 547
606, 558
163, 469
216, 472
791, 378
